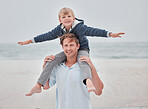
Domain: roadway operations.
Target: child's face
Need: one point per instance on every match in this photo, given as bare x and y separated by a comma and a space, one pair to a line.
67, 20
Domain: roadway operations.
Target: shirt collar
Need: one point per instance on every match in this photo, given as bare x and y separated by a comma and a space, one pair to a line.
74, 65
63, 27
73, 25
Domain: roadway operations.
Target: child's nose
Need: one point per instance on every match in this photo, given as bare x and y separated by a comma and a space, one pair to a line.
66, 17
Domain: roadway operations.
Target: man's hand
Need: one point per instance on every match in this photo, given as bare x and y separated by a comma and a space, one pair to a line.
114, 35
86, 59
49, 59
25, 42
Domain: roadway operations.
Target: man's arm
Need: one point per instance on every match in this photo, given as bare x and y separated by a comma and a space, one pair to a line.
95, 78
96, 81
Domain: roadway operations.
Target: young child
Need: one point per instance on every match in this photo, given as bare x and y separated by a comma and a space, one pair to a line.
68, 24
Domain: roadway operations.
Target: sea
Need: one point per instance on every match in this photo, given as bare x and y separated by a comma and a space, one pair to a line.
109, 50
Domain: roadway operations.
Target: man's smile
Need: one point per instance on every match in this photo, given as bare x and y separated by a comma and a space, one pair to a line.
68, 52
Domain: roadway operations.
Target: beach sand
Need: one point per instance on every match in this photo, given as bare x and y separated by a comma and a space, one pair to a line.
125, 85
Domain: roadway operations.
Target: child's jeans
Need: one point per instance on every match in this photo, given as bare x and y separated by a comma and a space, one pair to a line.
59, 58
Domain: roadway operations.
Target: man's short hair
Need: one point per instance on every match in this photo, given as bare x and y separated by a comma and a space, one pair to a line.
72, 36
66, 11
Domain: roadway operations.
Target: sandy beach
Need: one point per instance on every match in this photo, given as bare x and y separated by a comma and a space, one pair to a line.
125, 85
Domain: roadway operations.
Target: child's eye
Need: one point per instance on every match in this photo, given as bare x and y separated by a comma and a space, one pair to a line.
69, 16
71, 45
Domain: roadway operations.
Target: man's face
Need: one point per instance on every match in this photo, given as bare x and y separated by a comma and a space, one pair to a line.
67, 20
70, 48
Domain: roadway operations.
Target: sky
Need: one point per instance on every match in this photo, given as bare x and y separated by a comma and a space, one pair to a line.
22, 20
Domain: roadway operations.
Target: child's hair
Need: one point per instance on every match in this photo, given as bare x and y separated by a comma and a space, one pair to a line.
71, 36
66, 11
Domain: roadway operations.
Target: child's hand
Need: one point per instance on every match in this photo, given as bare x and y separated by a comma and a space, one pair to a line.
86, 59
49, 59
25, 42
114, 35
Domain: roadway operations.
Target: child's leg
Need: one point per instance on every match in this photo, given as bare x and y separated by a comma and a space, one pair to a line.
46, 86
60, 57
86, 71
44, 77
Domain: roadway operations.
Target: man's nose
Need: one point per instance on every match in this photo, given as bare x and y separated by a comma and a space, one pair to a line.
68, 48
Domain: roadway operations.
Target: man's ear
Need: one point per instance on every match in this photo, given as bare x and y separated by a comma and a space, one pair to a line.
62, 46
59, 20
78, 46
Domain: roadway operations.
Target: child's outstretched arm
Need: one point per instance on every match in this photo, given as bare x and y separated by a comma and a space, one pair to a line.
51, 35
114, 35
25, 42
91, 31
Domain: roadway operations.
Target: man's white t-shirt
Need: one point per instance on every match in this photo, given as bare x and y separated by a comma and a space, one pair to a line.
71, 93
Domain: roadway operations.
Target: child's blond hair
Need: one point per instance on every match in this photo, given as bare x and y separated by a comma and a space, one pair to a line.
66, 11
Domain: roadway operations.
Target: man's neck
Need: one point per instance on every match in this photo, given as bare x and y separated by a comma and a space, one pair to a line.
70, 61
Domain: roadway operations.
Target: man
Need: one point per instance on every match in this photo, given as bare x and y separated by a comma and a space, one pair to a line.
71, 92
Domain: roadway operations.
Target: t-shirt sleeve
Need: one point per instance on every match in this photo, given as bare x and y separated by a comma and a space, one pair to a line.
52, 80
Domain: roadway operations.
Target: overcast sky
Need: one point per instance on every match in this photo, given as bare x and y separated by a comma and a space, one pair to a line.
23, 19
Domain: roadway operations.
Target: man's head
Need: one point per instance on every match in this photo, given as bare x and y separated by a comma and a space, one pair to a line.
70, 45
66, 17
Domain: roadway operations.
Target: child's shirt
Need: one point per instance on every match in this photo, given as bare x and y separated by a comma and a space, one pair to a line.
78, 28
